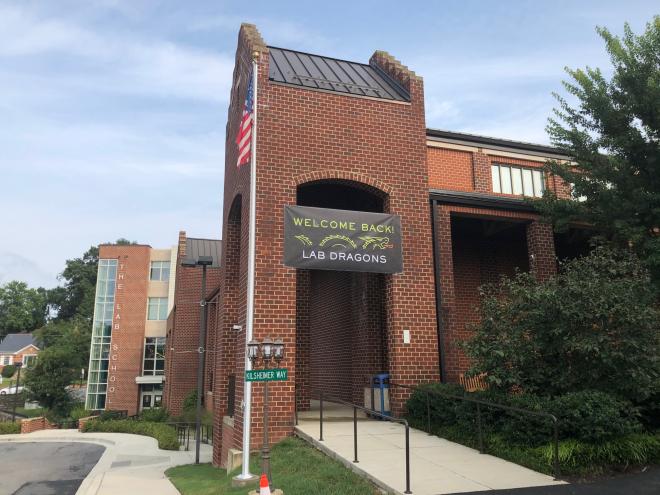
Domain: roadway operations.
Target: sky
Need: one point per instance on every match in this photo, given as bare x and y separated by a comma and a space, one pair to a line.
113, 112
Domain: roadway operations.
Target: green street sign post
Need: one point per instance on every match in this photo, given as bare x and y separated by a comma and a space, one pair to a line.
271, 375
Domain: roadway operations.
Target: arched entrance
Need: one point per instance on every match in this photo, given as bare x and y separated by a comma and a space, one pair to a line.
341, 316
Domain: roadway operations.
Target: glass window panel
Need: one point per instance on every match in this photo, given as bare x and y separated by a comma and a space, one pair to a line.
495, 173
165, 272
516, 180
505, 173
537, 176
100, 404
528, 184
160, 364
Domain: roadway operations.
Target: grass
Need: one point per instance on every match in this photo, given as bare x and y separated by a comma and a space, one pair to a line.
297, 469
31, 413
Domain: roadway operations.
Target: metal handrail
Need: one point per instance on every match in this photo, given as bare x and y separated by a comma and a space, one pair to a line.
356, 407
479, 403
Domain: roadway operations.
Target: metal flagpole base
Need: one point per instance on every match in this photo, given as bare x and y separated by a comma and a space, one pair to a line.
241, 481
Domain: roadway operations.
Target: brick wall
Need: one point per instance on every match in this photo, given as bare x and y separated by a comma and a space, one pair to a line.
36, 424
130, 314
183, 334
309, 135
450, 169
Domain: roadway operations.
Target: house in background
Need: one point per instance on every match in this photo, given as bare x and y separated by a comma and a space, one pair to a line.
18, 347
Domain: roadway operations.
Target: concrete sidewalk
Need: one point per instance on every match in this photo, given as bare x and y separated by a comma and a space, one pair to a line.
130, 465
437, 466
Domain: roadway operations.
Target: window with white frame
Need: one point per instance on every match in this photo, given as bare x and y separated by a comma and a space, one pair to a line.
6, 360
160, 270
157, 309
508, 179
154, 356
28, 360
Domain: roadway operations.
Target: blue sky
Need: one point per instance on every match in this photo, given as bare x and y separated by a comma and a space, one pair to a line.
113, 112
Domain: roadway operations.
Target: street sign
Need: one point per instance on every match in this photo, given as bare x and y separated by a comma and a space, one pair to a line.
273, 375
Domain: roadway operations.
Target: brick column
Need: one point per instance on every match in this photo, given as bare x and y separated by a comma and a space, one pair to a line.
447, 296
541, 250
481, 172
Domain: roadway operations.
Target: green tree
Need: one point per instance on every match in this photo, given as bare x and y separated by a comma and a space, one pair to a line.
592, 327
22, 309
46, 382
613, 136
74, 334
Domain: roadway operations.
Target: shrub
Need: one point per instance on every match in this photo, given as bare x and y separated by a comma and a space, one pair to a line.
8, 371
576, 456
164, 434
587, 416
592, 327
79, 412
156, 415
9, 428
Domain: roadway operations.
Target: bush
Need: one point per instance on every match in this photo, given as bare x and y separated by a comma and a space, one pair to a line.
79, 412
8, 371
164, 434
587, 416
9, 428
156, 415
592, 327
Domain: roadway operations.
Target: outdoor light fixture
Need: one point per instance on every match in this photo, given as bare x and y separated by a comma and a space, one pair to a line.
204, 262
264, 351
267, 350
253, 350
278, 350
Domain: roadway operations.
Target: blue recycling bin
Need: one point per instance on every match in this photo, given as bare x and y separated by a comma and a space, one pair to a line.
381, 383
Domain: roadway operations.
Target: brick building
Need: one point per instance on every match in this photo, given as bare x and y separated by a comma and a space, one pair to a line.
134, 294
341, 135
181, 358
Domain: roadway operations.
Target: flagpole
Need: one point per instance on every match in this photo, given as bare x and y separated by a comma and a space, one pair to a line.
247, 386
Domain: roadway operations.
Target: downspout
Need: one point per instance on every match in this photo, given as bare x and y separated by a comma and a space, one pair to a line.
438, 296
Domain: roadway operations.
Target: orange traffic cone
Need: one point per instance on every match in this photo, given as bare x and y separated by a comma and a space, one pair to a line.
264, 489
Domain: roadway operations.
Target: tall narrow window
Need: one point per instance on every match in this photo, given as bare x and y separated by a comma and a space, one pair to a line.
99, 356
157, 309
154, 356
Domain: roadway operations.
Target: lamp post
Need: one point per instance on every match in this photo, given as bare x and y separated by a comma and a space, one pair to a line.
202, 261
267, 350
18, 366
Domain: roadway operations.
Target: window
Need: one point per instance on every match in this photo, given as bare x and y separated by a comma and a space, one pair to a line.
99, 357
160, 270
157, 308
154, 356
517, 180
6, 360
28, 360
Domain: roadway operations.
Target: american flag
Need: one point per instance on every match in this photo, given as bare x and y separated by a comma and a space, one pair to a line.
244, 136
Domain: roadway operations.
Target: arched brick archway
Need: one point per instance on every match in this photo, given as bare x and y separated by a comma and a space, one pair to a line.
341, 317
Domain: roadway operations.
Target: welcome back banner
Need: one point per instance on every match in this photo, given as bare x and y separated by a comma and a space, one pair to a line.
325, 239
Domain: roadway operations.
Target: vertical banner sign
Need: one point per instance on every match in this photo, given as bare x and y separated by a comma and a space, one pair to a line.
324, 239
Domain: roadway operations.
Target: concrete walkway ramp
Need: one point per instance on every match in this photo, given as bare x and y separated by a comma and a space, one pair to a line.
437, 466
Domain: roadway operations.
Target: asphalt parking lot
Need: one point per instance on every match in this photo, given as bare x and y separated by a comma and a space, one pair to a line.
45, 468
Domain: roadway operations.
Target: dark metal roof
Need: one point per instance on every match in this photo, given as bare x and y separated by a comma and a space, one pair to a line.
204, 247
481, 200
14, 342
459, 137
331, 74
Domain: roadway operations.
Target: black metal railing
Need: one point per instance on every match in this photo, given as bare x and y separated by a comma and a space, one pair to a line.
186, 431
480, 402
323, 397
